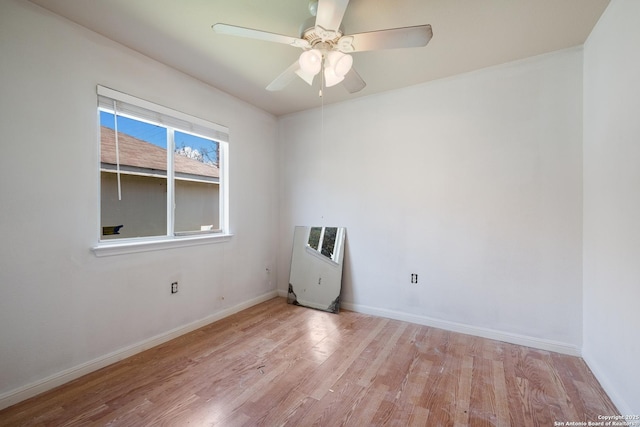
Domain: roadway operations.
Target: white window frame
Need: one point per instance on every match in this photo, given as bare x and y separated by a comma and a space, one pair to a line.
140, 109
318, 252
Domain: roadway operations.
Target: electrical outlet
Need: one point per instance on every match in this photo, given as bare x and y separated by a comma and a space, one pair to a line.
268, 272
414, 277
174, 288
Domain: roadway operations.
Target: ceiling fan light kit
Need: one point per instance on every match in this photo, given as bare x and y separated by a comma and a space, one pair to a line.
336, 66
326, 46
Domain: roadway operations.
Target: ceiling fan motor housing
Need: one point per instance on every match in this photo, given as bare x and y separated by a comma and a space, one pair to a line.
314, 34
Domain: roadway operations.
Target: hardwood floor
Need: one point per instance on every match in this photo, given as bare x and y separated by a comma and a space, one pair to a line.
277, 364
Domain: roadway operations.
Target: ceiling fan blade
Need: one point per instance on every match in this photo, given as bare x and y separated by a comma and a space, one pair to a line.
353, 82
330, 13
285, 78
392, 39
234, 30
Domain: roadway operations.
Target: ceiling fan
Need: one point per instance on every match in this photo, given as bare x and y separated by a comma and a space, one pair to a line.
325, 46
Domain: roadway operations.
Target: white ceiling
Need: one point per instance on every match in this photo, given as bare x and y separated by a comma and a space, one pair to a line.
467, 35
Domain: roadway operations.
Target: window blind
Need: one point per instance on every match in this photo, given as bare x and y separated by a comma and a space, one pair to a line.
140, 109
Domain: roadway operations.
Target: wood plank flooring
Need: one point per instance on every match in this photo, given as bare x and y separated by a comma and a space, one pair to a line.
278, 364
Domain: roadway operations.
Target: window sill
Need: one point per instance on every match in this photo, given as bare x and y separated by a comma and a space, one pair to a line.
318, 255
131, 246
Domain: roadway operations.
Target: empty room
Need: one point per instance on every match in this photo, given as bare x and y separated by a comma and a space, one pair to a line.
364, 212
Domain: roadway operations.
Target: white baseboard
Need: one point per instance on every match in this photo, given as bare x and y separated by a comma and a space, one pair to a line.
541, 344
17, 395
623, 407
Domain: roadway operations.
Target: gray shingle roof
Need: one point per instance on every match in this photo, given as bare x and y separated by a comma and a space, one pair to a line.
141, 154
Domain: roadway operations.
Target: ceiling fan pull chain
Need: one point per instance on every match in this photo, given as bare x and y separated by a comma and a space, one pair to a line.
321, 77
321, 113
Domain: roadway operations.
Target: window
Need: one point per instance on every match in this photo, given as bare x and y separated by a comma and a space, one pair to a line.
162, 172
322, 240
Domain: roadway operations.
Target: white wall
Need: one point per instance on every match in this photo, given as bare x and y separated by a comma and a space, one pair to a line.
612, 203
473, 182
62, 308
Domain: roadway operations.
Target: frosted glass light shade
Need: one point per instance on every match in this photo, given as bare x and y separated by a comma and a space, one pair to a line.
331, 78
307, 77
340, 62
311, 61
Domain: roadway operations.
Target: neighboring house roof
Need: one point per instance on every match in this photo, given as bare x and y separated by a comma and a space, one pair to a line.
141, 154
